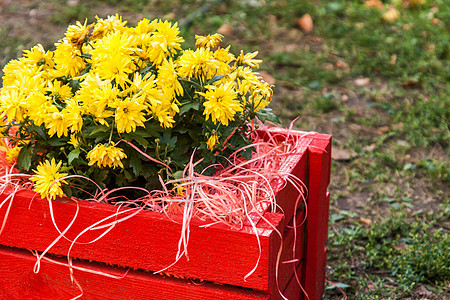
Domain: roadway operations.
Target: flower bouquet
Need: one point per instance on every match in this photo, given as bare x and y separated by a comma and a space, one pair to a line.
124, 115
127, 106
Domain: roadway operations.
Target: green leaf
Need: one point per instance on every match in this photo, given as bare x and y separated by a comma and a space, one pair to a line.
57, 142
266, 114
337, 284
135, 163
138, 136
215, 78
99, 130
168, 140
188, 106
24, 158
75, 153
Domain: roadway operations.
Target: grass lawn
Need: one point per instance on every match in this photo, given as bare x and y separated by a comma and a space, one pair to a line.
376, 78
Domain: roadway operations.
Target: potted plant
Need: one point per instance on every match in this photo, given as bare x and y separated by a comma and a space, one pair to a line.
161, 139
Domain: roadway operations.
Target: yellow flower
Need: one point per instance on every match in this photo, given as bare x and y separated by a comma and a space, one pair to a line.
164, 41
248, 59
73, 114
45, 179
224, 55
37, 106
12, 105
220, 103
129, 113
116, 68
67, 59
103, 27
38, 56
106, 156
145, 26
74, 141
58, 91
147, 87
12, 154
209, 41
56, 122
212, 141
168, 80
199, 63
76, 34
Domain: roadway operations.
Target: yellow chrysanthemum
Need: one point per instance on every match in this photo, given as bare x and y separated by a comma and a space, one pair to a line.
57, 122
248, 59
68, 59
73, 115
59, 91
212, 141
224, 55
74, 141
146, 26
12, 105
147, 87
45, 178
209, 41
168, 80
12, 154
76, 34
116, 68
199, 63
37, 106
164, 41
220, 103
38, 56
103, 27
106, 156
129, 113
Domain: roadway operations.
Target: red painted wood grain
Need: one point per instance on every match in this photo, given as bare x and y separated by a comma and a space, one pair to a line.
319, 161
18, 281
217, 253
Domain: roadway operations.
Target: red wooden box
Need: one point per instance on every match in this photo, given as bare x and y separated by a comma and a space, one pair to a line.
219, 257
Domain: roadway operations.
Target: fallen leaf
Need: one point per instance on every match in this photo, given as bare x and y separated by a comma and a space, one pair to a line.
305, 23
430, 47
374, 4
370, 147
398, 126
422, 290
365, 221
391, 15
382, 130
435, 21
342, 154
267, 77
393, 59
342, 65
362, 81
225, 29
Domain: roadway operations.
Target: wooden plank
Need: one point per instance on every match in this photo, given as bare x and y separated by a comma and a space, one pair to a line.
319, 157
147, 241
18, 281
290, 257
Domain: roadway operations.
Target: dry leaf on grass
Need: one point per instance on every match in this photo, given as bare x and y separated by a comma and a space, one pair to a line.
305, 23
374, 3
362, 81
391, 15
365, 221
225, 29
342, 154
